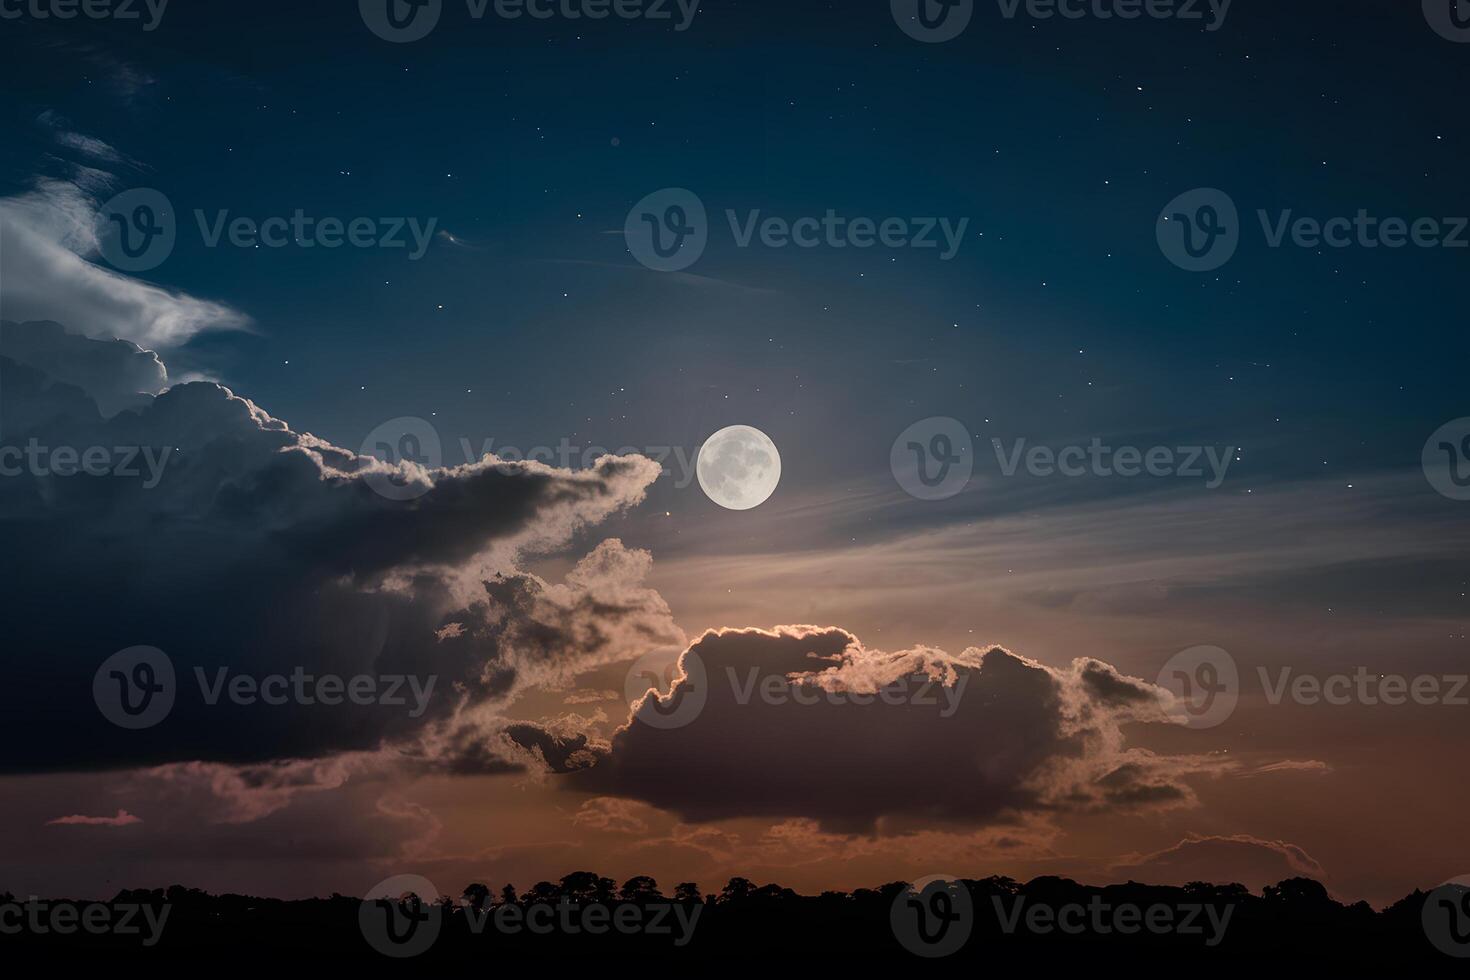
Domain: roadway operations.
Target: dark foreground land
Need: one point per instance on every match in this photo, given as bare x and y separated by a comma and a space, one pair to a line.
992, 921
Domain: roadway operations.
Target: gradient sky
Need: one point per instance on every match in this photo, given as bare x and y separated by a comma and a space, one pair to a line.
1058, 321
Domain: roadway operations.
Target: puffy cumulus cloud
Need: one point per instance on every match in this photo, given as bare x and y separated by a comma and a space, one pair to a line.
804, 722
546, 635
46, 261
115, 374
253, 549
550, 633
1240, 858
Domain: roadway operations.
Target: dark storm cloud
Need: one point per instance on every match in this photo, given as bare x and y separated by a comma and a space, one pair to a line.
261, 550
1022, 737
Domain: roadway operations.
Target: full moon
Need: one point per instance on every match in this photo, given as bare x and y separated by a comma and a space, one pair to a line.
738, 467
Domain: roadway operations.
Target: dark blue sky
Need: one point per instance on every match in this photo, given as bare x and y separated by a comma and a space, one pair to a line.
1059, 140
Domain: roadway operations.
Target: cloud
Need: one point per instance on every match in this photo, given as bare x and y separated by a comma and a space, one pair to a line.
978, 738
450, 238
233, 794
265, 551
122, 81
49, 240
69, 138
587, 695
1288, 765
122, 819
611, 815
1250, 861
559, 752
116, 375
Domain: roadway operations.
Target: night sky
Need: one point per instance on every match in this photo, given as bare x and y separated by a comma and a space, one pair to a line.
1058, 320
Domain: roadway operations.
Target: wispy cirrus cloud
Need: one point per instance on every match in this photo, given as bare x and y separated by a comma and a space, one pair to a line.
47, 260
65, 135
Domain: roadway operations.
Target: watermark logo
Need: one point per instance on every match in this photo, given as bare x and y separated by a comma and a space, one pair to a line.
675, 461
932, 21
569, 917
137, 230
143, 463
409, 446
404, 21
1208, 463
668, 230
1365, 687
933, 917
933, 459
1449, 18
659, 698
1212, 12
1446, 459
656, 672
42, 918
304, 231
1205, 682
936, 21
1446, 917
401, 916
1199, 230
147, 12
917, 690
135, 688
1102, 918
401, 21
836, 231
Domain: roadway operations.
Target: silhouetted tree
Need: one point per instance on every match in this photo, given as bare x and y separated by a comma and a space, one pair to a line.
640, 888
542, 891
891, 891
585, 887
737, 890
476, 895
772, 893
1301, 892
508, 895
1295, 921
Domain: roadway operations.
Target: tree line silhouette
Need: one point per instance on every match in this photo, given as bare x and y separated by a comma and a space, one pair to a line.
1296, 920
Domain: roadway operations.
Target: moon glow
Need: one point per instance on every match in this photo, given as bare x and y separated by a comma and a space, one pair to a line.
738, 467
